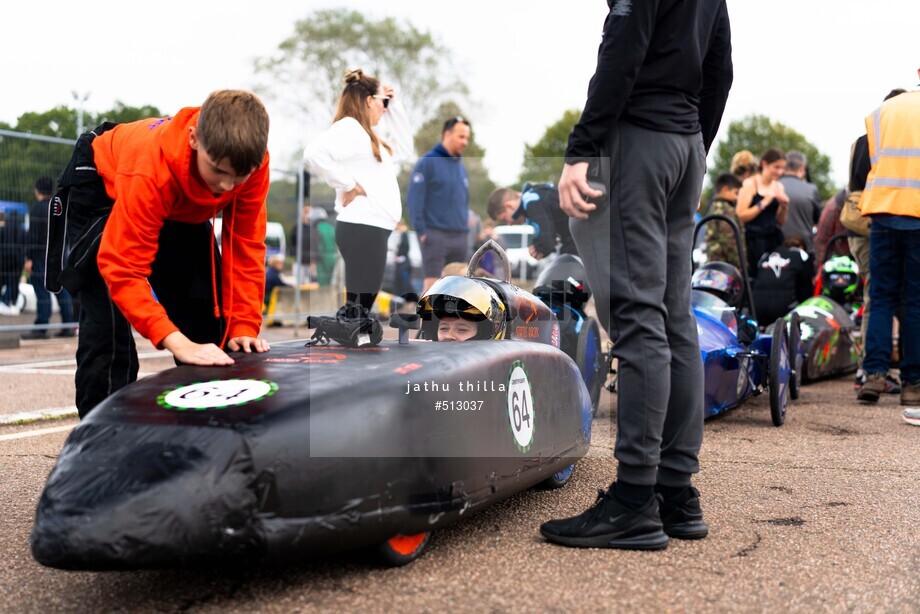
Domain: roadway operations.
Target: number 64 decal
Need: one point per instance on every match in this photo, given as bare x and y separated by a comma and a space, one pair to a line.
216, 394
521, 415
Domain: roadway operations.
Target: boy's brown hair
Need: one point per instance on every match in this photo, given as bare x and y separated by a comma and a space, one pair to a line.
233, 124
497, 199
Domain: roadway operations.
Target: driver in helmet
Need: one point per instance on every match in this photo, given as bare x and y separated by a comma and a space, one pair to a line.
840, 281
720, 279
459, 308
724, 281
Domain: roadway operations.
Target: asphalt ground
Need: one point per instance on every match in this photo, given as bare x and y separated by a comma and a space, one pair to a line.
818, 515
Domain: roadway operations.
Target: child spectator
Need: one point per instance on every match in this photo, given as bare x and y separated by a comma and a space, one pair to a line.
721, 245
141, 198
273, 279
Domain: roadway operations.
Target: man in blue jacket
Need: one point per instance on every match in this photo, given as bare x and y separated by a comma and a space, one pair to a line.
438, 200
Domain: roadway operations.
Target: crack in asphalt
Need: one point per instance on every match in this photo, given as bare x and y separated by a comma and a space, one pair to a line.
751, 547
793, 521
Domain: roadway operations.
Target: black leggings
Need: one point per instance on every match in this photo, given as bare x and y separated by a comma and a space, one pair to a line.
364, 250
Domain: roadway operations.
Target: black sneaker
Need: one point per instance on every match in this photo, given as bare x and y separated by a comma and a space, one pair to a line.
610, 524
682, 515
36, 334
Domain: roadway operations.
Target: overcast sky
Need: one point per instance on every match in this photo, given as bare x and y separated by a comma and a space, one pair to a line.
819, 66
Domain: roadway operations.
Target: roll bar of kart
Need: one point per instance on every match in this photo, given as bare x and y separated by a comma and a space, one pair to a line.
742, 260
495, 248
834, 238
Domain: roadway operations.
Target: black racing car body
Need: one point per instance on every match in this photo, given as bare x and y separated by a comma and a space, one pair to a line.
307, 450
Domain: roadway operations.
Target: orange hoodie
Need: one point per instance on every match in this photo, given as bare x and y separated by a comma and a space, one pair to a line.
147, 170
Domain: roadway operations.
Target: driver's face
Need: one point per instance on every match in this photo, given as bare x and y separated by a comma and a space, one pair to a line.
455, 329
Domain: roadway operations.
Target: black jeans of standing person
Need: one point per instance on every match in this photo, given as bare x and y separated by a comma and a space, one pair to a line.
182, 283
364, 250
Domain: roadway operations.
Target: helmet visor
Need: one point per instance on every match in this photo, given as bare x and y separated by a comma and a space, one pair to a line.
460, 296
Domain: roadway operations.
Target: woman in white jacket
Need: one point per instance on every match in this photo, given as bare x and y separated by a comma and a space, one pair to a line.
362, 167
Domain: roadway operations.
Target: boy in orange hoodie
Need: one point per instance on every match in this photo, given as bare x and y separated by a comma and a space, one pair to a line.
136, 203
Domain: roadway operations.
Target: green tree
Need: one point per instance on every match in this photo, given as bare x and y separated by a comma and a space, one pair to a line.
756, 133
22, 160
61, 121
307, 70
543, 160
429, 134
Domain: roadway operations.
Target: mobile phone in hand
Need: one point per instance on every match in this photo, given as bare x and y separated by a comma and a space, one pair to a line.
597, 200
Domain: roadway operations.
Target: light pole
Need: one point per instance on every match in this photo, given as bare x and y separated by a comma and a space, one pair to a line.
80, 100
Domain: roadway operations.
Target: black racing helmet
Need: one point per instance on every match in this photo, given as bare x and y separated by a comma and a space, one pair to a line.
468, 298
720, 279
565, 277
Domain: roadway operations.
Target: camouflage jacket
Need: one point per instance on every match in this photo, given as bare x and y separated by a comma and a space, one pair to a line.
720, 240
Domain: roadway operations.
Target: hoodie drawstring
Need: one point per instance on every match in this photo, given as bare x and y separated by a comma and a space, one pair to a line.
229, 263
214, 266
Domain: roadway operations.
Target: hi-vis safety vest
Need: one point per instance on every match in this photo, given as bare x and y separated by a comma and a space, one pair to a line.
893, 184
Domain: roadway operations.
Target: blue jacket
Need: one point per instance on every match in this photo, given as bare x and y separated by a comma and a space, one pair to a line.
439, 193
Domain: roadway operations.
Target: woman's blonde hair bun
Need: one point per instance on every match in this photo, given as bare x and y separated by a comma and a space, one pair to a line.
353, 76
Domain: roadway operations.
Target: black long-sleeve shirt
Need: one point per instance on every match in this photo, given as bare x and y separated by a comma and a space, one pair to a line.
664, 65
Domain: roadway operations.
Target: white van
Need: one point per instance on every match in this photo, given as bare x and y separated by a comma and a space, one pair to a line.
517, 240
275, 241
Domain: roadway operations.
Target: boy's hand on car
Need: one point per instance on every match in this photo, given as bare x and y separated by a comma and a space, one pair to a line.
188, 352
247, 344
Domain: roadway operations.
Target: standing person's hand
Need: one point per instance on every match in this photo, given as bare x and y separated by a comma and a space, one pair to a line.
352, 194
573, 187
387, 90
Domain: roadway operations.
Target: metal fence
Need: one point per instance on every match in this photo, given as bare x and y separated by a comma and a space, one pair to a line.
26, 157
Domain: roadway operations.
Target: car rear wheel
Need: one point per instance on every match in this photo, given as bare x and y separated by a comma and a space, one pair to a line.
589, 357
780, 373
558, 480
403, 549
795, 356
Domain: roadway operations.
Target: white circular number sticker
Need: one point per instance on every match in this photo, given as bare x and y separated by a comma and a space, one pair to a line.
217, 394
520, 407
